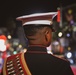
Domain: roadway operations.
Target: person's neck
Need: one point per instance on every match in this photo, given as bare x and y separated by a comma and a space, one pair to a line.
36, 45
36, 42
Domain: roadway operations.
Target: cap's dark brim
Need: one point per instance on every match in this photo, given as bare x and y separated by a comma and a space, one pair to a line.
52, 28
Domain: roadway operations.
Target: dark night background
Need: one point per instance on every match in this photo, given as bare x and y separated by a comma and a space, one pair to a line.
11, 9
15, 8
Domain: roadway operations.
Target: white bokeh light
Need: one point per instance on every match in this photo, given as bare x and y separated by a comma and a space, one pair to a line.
2, 45
69, 55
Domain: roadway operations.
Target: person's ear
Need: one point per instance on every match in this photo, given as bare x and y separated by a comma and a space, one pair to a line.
46, 35
47, 32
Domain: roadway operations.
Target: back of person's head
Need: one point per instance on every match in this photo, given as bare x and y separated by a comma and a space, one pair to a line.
32, 30
38, 27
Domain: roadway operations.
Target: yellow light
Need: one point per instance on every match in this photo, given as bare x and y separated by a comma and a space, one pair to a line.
69, 48
70, 11
20, 46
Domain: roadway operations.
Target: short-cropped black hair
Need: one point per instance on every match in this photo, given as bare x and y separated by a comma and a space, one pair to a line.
31, 30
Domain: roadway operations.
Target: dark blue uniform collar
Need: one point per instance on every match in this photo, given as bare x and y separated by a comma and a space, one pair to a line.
37, 48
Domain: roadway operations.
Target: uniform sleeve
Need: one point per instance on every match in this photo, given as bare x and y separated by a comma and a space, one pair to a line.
66, 69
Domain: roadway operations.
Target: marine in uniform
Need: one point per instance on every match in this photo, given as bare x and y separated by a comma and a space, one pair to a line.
38, 30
